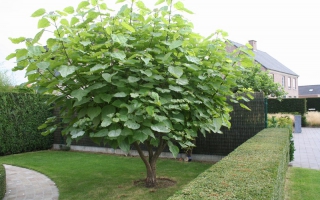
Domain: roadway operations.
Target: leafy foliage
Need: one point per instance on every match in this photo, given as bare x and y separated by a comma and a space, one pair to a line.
287, 106
284, 122
133, 76
20, 116
255, 170
6, 84
260, 81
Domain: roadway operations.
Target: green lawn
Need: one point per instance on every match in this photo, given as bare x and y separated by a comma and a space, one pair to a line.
81, 175
303, 184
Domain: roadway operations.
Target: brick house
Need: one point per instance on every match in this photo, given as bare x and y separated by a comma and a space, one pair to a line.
280, 73
309, 91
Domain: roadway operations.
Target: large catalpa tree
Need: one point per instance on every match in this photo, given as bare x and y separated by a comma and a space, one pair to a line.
134, 77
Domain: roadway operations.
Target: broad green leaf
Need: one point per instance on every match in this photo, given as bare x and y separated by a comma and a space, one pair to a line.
17, 40
119, 38
126, 131
120, 1
66, 70
120, 94
35, 50
69, 10
140, 136
38, 12
43, 65
176, 71
93, 112
150, 110
37, 37
73, 21
148, 132
21, 52
85, 43
12, 55
175, 88
103, 6
132, 125
98, 67
108, 111
132, 79
147, 72
79, 93
244, 106
173, 149
109, 30
182, 81
160, 127
128, 27
175, 44
114, 133
106, 97
180, 6
193, 67
102, 133
77, 133
193, 59
82, 4
93, 2
146, 60
141, 5
43, 23
118, 55
108, 77
124, 146
159, 2
134, 95
217, 123
64, 22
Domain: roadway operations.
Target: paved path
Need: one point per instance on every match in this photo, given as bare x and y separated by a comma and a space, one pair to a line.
25, 184
307, 144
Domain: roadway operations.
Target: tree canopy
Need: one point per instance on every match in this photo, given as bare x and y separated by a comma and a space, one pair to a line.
135, 76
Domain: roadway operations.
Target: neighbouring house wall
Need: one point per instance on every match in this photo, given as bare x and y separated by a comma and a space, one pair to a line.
290, 88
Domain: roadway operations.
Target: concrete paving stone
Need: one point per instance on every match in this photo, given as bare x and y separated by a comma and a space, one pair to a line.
25, 184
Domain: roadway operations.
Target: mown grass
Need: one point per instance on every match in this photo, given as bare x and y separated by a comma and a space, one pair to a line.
303, 184
80, 175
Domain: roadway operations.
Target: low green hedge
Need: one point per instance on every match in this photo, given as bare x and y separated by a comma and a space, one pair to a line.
255, 170
2, 181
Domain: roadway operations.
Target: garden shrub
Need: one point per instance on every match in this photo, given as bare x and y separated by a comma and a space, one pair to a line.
20, 116
284, 122
2, 181
255, 170
287, 106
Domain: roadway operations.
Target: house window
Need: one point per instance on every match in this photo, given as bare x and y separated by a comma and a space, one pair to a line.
283, 81
294, 84
289, 83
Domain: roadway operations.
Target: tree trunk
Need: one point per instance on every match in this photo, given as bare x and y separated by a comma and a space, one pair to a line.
151, 180
150, 163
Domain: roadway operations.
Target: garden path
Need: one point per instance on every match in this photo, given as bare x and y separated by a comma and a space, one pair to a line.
307, 144
25, 184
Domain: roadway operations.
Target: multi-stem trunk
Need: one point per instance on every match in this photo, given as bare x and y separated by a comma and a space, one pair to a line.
150, 161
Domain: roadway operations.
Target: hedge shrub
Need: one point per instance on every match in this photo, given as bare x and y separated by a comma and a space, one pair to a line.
255, 170
20, 116
313, 103
2, 181
287, 106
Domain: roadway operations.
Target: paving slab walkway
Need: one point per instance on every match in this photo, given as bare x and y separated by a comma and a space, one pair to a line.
26, 184
307, 144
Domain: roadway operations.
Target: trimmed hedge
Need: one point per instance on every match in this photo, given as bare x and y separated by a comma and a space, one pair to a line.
2, 181
313, 103
287, 106
255, 170
20, 116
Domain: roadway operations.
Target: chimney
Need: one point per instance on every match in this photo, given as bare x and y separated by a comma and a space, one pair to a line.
253, 43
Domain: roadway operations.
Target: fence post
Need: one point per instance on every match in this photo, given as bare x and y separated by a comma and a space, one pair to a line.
266, 112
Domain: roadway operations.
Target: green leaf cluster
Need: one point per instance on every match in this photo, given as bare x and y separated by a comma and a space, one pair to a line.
134, 76
2, 181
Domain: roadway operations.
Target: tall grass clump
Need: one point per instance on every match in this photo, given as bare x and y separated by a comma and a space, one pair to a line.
313, 119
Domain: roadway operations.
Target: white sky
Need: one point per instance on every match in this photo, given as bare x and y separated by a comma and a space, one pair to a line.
287, 30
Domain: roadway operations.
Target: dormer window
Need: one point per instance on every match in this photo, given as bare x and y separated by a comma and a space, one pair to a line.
311, 90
